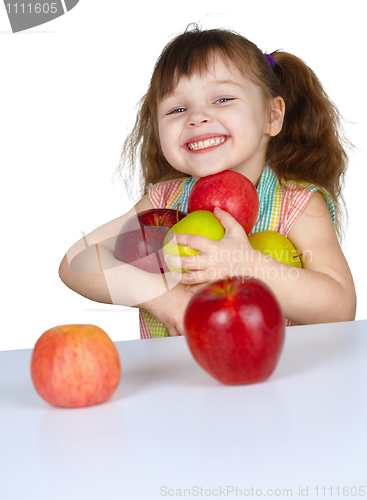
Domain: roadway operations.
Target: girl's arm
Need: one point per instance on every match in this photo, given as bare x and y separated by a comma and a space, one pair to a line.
87, 266
90, 269
323, 291
329, 293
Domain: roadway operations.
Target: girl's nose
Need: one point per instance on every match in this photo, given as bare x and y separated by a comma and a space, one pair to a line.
198, 118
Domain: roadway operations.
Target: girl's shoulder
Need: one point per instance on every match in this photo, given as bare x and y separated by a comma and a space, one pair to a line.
166, 193
297, 194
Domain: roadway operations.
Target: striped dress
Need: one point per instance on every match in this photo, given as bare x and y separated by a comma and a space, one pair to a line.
280, 207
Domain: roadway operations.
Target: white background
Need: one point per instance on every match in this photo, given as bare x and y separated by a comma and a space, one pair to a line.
68, 95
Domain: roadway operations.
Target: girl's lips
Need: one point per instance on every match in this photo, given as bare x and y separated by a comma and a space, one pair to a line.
197, 144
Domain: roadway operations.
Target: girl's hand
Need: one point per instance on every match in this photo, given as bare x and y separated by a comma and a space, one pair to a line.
217, 259
169, 308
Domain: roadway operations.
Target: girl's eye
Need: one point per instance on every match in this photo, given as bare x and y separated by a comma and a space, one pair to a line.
224, 99
177, 110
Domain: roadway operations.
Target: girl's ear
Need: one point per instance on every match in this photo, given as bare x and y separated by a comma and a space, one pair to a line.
277, 111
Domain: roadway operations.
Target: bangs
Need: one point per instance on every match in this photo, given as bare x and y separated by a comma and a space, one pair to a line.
194, 52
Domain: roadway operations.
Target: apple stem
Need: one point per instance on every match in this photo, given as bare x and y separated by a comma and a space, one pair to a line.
296, 256
178, 204
226, 285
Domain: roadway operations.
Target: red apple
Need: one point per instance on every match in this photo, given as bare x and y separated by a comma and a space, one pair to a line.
235, 330
75, 365
230, 191
140, 240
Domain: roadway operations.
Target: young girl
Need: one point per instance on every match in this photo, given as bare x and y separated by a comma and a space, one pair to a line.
216, 102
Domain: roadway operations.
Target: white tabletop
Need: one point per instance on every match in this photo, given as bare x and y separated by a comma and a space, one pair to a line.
172, 431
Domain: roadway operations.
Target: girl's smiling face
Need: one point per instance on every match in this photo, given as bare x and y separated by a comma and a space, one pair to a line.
218, 121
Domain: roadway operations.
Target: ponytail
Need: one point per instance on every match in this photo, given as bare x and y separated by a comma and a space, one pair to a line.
311, 145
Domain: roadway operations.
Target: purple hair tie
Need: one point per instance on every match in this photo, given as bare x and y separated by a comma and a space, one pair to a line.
271, 60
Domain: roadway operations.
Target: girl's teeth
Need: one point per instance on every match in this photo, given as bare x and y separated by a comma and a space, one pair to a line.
207, 143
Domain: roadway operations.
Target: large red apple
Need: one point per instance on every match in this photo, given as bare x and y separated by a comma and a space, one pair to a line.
230, 191
75, 365
235, 330
140, 240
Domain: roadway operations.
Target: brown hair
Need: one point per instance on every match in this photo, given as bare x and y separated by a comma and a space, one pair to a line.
310, 146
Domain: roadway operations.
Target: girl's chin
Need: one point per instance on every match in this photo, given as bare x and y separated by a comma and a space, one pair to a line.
208, 171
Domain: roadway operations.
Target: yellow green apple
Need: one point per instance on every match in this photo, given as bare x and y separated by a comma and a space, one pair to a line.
200, 222
277, 246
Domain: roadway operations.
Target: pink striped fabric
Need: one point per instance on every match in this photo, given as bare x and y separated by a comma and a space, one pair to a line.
294, 201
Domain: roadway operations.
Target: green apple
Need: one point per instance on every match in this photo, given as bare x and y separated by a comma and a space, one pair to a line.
276, 246
200, 222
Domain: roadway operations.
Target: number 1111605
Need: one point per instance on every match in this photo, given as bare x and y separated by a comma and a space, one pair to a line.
342, 491
36, 8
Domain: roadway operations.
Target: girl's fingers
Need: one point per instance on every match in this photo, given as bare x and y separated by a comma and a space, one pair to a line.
194, 278
189, 262
173, 332
200, 243
232, 227
193, 289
